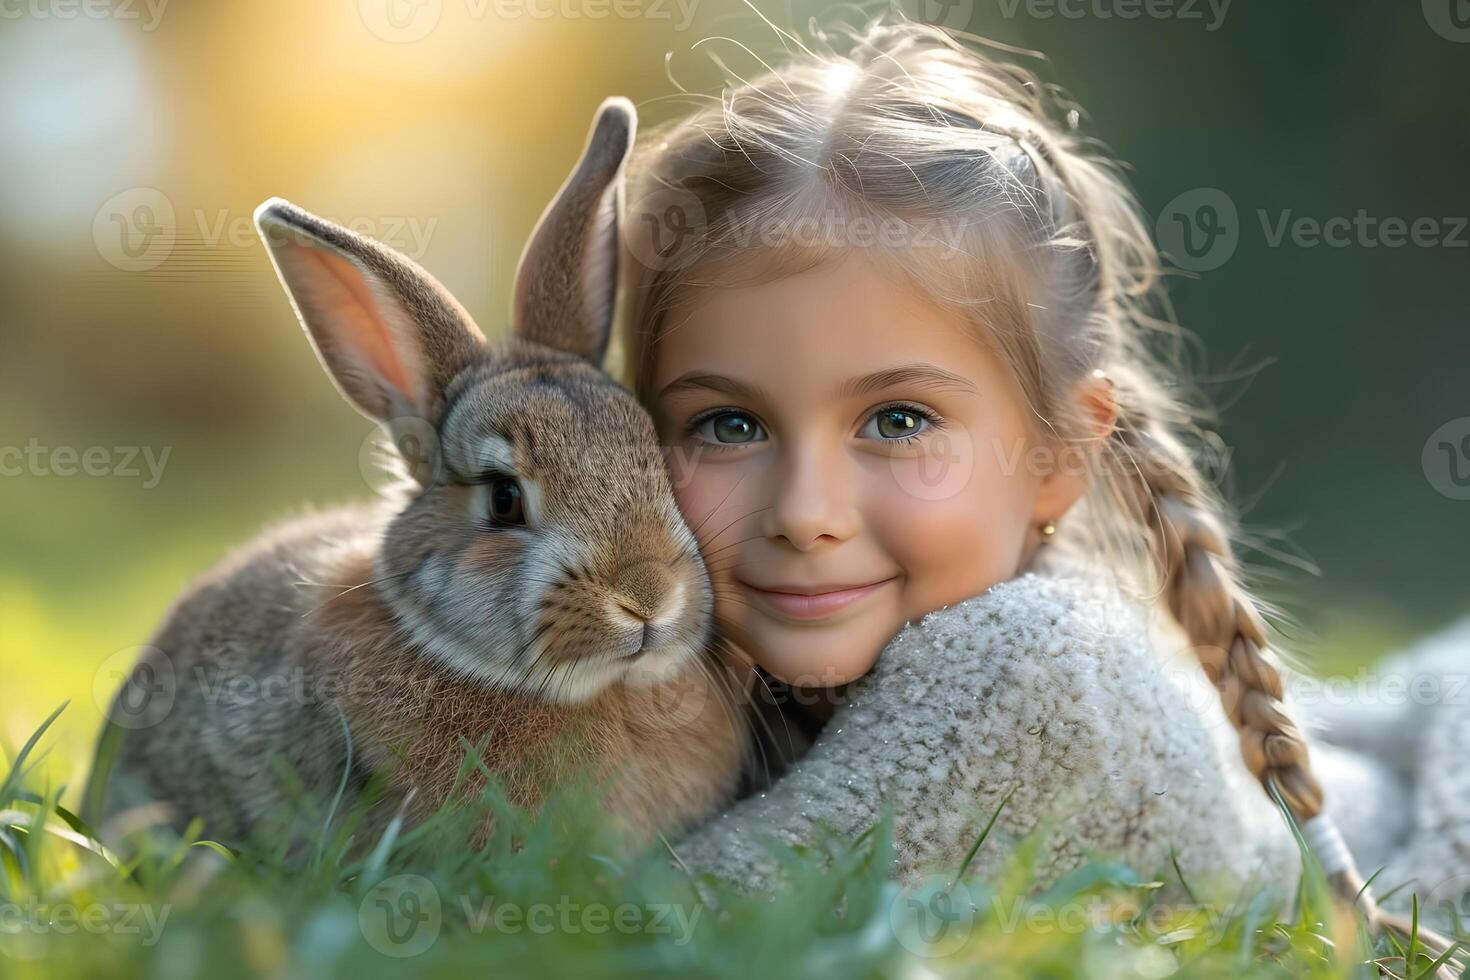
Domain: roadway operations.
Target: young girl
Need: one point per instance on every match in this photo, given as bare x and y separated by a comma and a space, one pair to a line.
895, 321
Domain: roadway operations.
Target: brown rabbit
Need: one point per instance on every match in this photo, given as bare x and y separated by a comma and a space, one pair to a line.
537, 590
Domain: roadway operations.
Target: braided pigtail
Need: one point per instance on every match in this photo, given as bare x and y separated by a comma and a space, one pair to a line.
1200, 580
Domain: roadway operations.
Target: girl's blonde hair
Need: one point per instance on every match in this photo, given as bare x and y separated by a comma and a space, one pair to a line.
974, 181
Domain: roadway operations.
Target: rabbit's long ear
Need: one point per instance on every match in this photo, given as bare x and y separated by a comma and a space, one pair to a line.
566, 282
387, 332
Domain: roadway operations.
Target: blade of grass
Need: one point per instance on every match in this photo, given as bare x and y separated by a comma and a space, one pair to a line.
1433, 969
13, 780
321, 840
1367, 884
1174, 860
975, 847
9, 820
109, 744
372, 871
217, 848
14, 853
72, 820
36, 834
1413, 954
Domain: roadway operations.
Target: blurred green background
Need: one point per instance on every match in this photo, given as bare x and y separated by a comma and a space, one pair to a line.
138, 313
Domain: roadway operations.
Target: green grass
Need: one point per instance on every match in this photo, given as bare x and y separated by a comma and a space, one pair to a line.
558, 894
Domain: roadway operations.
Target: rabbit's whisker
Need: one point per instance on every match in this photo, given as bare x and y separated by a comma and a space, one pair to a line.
716, 508
742, 517
756, 714
726, 695
713, 552
346, 589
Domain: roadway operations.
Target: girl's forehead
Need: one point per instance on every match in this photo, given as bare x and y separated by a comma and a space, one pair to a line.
839, 328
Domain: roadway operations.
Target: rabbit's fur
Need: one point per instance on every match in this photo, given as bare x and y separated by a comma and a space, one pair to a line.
537, 593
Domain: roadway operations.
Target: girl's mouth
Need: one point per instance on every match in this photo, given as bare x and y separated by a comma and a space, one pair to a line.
812, 603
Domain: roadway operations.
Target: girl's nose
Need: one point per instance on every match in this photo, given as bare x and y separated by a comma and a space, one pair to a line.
812, 497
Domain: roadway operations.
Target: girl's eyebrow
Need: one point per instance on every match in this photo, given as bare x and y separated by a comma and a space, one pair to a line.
917, 374
692, 380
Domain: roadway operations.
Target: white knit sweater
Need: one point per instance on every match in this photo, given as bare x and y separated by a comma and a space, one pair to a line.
1393, 749
1052, 687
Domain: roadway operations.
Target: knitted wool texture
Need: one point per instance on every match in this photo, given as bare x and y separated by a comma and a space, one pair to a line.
1047, 688
1399, 771
1057, 689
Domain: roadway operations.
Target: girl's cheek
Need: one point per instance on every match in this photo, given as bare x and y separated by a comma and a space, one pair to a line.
954, 524
711, 497
937, 469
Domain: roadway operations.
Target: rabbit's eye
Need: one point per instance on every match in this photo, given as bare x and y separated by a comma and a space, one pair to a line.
505, 502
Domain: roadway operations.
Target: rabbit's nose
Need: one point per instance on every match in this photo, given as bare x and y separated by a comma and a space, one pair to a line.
644, 589
650, 598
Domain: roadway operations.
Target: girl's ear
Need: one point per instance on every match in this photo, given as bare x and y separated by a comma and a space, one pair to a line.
1071, 475
566, 282
387, 332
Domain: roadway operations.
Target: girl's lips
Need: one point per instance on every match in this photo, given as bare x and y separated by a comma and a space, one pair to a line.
796, 606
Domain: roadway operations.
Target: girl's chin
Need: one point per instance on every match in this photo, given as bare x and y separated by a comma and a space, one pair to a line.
799, 657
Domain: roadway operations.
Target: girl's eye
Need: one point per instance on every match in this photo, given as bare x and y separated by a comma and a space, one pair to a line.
899, 422
728, 428
505, 503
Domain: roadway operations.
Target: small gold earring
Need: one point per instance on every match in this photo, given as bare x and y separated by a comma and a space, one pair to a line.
1047, 530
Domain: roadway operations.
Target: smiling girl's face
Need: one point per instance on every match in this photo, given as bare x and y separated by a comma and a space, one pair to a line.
850, 457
